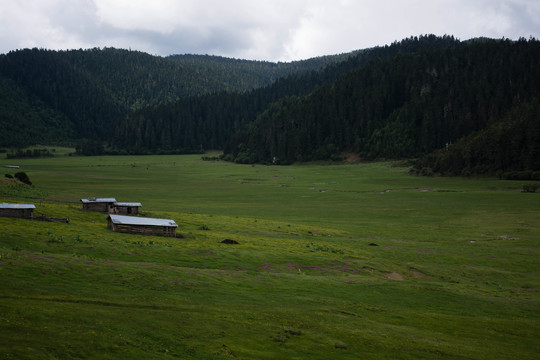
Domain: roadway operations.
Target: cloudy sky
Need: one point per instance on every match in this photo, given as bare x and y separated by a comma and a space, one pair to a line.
273, 30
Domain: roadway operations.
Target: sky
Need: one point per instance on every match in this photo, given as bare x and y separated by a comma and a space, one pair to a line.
269, 30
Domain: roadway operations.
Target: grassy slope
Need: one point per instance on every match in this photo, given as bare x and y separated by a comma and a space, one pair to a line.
454, 275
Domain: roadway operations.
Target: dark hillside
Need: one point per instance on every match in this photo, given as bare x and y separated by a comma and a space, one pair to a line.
401, 100
208, 122
82, 93
249, 74
26, 120
400, 107
508, 147
69, 93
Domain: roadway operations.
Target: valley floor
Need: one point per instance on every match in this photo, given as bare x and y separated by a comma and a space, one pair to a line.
332, 261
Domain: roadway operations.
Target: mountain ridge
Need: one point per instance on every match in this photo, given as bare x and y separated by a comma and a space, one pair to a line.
91, 89
405, 99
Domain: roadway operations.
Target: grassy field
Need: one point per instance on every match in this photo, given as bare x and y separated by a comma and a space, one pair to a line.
356, 261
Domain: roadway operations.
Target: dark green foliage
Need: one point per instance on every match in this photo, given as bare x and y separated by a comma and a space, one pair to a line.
61, 96
209, 122
22, 177
22, 154
186, 126
240, 75
203, 122
530, 188
398, 101
519, 175
509, 147
90, 147
61, 83
399, 107
26, 120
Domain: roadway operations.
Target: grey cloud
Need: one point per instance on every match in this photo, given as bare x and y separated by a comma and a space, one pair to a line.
276, 30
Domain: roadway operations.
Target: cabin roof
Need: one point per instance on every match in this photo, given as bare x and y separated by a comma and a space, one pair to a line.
142, 221
17, 206
128, 204
98, 200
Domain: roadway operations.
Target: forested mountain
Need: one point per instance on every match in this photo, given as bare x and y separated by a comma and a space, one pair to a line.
250, 74
58, 96
208, 122
402, 100
404, 106
509, 147
26, 120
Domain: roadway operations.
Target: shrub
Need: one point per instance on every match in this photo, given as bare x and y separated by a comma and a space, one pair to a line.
22, 177
426, 171
521, 175
210, 158
54, 239
293, 331
530, 188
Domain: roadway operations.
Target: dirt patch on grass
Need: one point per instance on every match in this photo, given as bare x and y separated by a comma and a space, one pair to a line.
394, 276
4, 181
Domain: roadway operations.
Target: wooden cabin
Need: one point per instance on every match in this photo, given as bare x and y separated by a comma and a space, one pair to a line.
125, 208
98, 204
141, 225
24, 211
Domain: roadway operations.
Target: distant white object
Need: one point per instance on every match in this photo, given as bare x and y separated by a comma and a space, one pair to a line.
12, 166
142, 221
98, 200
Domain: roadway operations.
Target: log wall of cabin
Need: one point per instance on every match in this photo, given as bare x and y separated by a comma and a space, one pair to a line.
144, 230
125, 210
17, 213
103, 207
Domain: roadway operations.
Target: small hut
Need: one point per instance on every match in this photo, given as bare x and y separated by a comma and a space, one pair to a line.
98, 204
126, 208
25, 211
141, 225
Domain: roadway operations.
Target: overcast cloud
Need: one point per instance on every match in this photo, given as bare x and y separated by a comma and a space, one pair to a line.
274, 30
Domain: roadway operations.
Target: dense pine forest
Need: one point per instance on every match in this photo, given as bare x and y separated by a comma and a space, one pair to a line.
403, 100
56, 97
209, 122
405, 106
509, 148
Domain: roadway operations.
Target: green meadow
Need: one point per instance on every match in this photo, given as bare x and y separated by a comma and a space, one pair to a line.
334, 261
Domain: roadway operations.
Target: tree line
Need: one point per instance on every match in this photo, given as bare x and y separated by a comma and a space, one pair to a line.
402, 107
59, 97
211, 121
403, 100
509, 148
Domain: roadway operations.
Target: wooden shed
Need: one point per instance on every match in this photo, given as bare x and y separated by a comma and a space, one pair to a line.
141, 225
126, 208
98, 204
25, 211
